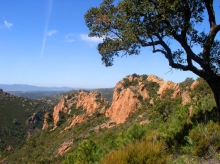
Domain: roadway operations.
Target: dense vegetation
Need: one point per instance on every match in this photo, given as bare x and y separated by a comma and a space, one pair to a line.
15, 112
174, 133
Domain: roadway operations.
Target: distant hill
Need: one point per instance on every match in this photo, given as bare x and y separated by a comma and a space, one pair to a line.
37, 94
33, 92
24, 87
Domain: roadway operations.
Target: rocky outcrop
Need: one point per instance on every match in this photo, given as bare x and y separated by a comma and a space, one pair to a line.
77, 120
124, 104
126, 100
89, 101
33, 119
156, 79
47, 118
8, 148
85, 101
129, 92
194, 84
64, 148
145, 122
164, 85
57, 109
107, 125
186, 97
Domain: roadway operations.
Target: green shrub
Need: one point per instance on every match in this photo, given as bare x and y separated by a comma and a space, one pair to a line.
152, 87
144, 77
119, 90
134, 133
202, 89
177, 127
186, 83
127, 83
87, 153
135, 75
206, 139
143, 152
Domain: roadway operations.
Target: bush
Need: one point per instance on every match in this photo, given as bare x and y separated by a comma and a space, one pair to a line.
202, 89
128, 83
143, 152
133, 134
86, 153
144, 77
152, 87
119, 90
206, 139
135, 75
186, 83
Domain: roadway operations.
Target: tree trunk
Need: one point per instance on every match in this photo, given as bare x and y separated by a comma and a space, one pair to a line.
214, 84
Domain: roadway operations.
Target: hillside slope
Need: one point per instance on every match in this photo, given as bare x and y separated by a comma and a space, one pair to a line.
164, 120
20, 117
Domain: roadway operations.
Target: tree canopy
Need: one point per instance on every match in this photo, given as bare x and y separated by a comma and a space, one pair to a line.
129, 25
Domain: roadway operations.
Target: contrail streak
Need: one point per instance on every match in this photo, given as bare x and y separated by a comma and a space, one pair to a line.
50, 5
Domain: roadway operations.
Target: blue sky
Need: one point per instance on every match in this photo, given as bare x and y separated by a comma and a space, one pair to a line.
45, 43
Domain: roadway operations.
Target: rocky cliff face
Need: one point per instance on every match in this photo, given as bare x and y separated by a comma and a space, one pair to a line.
60, 107
164, 85
90, 101
129, 93
47, 118
78, 106
125, 102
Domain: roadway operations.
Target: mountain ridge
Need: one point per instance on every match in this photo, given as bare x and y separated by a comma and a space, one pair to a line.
145, 109
26, 87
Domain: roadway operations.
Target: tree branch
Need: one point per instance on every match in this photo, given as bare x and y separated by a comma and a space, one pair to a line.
187, 15
147, 44
210, 39
211, 12
168, 54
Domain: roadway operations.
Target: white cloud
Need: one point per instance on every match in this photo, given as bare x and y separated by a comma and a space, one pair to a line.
51, 32
6, 25
69, 38
85, 37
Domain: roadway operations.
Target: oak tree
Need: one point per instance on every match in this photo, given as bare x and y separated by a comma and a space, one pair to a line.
128, 25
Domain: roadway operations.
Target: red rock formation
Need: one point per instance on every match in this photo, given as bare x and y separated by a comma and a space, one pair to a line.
186, 97
46, 117
77, 120
164, 85
124, 104
64, 148
8, 148
60, 107
126, 99
194, 84
145, 122
89, 101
